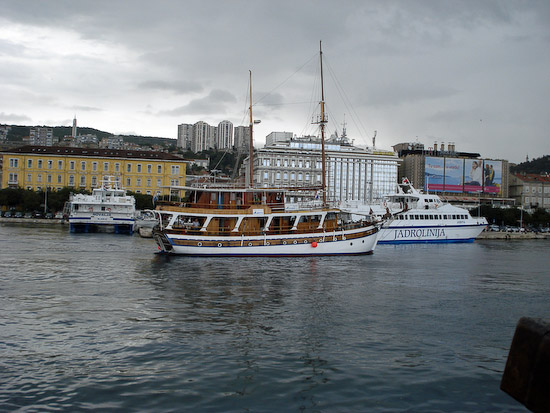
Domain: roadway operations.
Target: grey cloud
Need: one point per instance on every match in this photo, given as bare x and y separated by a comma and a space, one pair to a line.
179, 87
216, 102
13, 118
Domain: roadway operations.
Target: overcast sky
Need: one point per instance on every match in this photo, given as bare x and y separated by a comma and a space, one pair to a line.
476, 73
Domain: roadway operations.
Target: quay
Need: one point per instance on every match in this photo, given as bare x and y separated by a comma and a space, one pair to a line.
511, 235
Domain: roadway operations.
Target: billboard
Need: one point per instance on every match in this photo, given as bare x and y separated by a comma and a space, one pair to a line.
492, 177
454, 174
434, 172
473, 175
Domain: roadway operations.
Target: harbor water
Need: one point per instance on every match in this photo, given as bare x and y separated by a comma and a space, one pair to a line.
101, 322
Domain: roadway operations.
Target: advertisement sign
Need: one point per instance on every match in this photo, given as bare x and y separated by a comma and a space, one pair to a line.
492, 177
454, 174
473, 175
434, 173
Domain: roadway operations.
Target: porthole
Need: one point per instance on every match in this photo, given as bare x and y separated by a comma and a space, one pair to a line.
219, 244
249, 244
295, 242
199, 244
284, 242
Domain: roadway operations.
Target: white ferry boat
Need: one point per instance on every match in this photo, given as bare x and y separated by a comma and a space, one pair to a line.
411, 216
107, 209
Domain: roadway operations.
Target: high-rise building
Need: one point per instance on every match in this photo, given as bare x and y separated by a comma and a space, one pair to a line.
242, 138
185, 135
41, 136
224, 137
74, 131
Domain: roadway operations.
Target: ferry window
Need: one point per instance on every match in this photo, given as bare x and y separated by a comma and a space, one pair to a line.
128, 167
159, 169
416, 217
39, 163
59, 164
83, 165
50, 164
139, 167
29, 163
454, 216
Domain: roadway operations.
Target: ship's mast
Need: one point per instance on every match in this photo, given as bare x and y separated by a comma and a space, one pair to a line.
322, 123
251, 148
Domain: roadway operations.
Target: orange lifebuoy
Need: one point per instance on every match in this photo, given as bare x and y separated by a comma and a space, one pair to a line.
314, 244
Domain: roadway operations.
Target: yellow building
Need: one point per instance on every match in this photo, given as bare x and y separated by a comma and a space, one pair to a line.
37, 167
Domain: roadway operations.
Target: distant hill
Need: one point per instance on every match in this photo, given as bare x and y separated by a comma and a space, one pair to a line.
17, 132
534, 166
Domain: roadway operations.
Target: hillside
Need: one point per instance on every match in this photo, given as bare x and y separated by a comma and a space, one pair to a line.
17, 132
534, 166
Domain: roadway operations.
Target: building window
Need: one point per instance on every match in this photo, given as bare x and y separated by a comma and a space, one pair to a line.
94, 166
29, 163
29, 178
117, 167
82, 180
174, 182
278, 175
159, 169
39, 178
148, 182
138, 182
39, 164
128, 182
285, 176
59, 164
83, 165
149, 168
12, 178
299, 176
49, 179
175, 170
105, 166
50, 164
59, 178
94, 181
128, 167
266, 175
71, 180
139, 168
159, 182
71, 165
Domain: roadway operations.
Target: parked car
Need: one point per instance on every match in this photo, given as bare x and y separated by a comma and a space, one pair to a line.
18, 214
28, 215
49, 215
8, 214
494, 227
38, 215
59, 215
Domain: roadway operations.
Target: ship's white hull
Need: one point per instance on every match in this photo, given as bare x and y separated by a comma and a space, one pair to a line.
352, 242
101, 223
401, 232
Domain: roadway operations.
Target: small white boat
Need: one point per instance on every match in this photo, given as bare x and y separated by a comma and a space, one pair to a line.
107, 209
411, 216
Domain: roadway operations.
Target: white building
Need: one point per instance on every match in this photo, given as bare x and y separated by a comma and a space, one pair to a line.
224, 138
274, 137
352, 174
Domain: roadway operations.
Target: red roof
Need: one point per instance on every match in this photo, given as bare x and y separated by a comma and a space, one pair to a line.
533, 177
